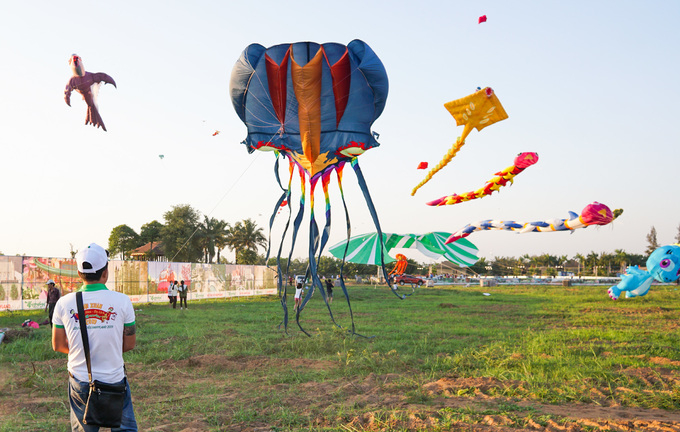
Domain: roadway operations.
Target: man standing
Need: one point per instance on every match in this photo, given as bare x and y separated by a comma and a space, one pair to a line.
183, 291
110, 319
329, 290
172, 293
53, 295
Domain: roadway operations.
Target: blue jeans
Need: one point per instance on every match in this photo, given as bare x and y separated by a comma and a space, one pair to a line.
77, 397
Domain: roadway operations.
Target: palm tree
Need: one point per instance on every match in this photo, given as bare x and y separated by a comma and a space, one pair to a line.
621, 258
211, 232
581, 260
221, 240
591, 261
245, 236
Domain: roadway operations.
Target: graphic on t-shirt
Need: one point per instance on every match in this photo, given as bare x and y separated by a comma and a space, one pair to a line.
93, 312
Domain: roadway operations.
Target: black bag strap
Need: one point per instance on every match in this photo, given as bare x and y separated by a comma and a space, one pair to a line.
83, 332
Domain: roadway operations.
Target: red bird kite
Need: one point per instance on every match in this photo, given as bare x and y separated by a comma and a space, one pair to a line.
87, 84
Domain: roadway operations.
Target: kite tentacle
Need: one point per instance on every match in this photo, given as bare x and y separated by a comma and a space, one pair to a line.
376, 222
338, 172
313, 246
283, 285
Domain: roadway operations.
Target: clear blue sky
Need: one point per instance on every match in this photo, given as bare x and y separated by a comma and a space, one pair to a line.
591, 86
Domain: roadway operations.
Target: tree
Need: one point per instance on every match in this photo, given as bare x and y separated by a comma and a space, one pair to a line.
591, 262
178, 234
480, 266
245, 235
581, 262
247, 257
621, 258
151, 232
652, 243
211, 232
122, 240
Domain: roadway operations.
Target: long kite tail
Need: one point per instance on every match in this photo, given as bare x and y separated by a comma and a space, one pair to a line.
344, 255
447, 158
314, 239
593, 214
282, 285
376, 222
522, 162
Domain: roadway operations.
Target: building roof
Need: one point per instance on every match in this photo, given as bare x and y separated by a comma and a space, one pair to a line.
145, 249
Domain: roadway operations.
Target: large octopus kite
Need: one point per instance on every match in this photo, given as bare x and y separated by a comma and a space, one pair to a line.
312, 104
87, 84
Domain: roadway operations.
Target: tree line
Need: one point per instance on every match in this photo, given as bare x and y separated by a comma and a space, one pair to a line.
592, 264
188, 236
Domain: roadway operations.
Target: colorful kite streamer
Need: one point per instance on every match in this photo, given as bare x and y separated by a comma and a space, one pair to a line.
592, 214
522, 161
476, 111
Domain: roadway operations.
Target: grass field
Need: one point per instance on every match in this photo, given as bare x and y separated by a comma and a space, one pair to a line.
524, 358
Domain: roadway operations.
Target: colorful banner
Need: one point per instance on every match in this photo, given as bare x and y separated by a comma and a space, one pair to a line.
23, 280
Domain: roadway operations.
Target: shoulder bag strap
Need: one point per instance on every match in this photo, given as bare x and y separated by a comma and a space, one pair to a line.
83, 332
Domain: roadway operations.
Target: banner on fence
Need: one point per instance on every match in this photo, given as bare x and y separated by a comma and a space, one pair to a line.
23, 280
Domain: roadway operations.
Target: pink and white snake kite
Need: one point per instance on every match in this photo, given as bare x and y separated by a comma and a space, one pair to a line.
592, 214
87, 84
522, 161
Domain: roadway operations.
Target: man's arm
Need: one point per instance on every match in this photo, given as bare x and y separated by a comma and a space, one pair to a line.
129, 337
59, 340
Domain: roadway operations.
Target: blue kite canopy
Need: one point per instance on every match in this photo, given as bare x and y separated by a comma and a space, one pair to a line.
313, 103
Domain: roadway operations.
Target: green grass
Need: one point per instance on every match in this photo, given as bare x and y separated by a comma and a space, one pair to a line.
226, 363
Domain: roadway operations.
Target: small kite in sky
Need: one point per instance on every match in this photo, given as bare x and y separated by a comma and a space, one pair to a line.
87, 84
476, 111
593, 214
216, 133
482, 19
522, 161
161, 156
422, 165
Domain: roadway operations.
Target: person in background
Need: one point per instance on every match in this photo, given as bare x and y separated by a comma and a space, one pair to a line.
298, 296
329, 289
183, 290
172, 293
111, 332
53, 295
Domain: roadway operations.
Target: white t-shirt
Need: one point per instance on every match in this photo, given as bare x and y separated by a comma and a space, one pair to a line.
298, 293
107, 313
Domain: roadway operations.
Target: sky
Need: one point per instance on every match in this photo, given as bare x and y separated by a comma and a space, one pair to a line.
592, 87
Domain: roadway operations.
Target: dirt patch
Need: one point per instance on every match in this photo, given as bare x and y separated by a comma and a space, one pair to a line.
16, 334
376, 402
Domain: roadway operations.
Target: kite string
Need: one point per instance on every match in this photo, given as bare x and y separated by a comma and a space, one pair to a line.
253, 160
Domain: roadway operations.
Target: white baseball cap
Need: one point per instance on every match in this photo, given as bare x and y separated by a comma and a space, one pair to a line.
49, 282
92, 259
